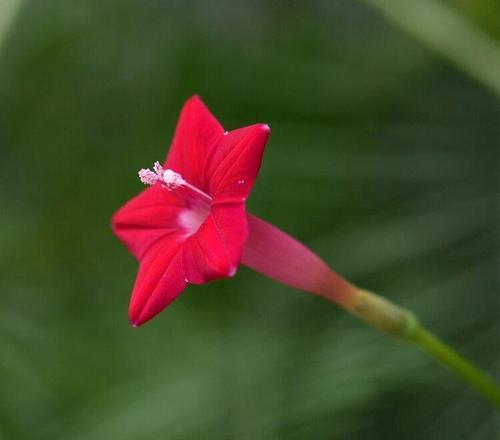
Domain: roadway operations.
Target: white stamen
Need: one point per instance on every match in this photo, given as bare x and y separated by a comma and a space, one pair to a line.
158, 168
172, 179
148, 177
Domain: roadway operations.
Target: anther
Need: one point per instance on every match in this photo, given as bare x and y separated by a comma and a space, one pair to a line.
172, 179
148, 177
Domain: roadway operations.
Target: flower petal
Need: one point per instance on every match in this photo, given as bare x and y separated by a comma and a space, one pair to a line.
197, 134
146, 218
235, 163
214, 251
160, 280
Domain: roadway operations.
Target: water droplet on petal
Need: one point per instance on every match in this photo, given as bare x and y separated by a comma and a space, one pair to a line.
226, 133
241, 181
186, 280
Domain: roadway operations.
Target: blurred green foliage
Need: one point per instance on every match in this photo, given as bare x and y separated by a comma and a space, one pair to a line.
383, 159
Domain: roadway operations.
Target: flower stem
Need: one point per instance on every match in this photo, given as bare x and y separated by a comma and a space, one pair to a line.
477, 378
403, 324
275, 254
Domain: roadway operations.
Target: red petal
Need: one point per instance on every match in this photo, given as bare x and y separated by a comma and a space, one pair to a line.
224, 166
214, 251
160, 280
196, 136
146, 218
235, 163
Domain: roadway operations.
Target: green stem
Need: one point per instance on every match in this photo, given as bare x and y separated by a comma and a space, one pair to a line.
477, 378
403, 324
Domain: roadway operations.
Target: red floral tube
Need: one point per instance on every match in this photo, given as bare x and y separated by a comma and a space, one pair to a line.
271, 252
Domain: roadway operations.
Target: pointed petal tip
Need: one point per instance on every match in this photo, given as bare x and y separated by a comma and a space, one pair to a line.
194, 97
137, 322
262, 131
139, 317
134, 319
134, 322
194, 102
136, 316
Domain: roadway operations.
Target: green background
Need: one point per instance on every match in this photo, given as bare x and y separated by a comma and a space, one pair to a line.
383, 158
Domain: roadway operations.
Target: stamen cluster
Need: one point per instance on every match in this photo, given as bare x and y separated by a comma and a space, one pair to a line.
170, 179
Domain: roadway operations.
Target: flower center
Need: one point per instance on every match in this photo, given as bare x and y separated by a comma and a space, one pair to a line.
192, 218
197, 201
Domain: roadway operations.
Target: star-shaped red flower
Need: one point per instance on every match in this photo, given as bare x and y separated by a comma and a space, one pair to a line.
191, 227
191, 232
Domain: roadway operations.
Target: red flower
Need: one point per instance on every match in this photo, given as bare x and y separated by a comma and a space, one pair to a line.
191, 225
